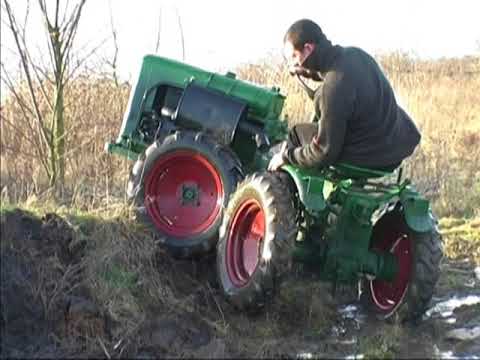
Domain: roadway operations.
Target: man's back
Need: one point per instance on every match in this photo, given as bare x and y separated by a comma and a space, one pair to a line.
378, 132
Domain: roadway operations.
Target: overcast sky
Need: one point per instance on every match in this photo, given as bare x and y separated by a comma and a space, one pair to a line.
220, 35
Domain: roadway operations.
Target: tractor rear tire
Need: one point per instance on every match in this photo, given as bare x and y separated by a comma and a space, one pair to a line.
419, 256
257, 237
180, 187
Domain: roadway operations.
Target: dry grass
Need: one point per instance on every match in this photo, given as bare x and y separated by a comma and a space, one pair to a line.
442, 97
94, 110
445, 102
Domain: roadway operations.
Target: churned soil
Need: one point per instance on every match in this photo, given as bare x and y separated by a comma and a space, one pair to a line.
98, 289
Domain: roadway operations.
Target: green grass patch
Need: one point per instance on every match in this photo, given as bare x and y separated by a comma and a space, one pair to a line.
6, 208
84, 222
384, 344
119, 278
461, 238
451, 222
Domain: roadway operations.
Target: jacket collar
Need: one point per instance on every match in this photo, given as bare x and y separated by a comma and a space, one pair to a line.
325, 55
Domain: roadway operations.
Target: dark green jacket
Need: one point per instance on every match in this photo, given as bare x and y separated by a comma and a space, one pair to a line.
360, 121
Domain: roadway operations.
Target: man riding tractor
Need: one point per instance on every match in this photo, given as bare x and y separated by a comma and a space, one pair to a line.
360, 123
321, 202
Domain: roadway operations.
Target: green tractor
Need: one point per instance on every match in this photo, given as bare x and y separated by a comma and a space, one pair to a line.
193, 135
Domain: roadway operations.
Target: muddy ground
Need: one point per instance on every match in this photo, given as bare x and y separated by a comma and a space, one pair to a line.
89, 287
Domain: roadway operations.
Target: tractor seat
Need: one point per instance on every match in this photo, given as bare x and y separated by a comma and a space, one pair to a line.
359, 173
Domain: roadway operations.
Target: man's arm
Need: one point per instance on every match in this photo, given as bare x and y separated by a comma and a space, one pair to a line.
334, 107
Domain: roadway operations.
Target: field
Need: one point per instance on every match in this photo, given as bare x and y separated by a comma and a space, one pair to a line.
101, 288
441, 96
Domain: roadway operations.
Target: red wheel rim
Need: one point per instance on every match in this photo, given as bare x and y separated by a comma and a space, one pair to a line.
244, 240
183, 194
388, 295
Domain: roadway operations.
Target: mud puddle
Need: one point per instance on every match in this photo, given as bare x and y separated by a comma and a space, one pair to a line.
450, 329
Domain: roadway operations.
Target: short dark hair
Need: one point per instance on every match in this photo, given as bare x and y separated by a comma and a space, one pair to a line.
304, 31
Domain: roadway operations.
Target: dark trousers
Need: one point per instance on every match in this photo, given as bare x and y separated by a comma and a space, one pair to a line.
302, 134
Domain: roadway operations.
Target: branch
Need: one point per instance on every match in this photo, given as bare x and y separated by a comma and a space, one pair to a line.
81, 61
71, 27
36, 71
43, 69
181, 34
9, 83
113, 64
57, 6
67, 3
26, 18
5, 50
157, 45
40, 145
56, 56
24, 61
43, 8
34, 67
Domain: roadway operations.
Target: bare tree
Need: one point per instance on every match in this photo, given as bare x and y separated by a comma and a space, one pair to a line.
113, 62
61, 30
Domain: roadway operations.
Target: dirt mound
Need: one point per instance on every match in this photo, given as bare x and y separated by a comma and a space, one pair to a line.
44, 302
105, 288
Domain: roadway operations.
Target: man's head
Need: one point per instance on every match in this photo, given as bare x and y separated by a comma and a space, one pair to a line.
300, 42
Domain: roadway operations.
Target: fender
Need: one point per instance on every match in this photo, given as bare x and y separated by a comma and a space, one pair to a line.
416, 210
311, 187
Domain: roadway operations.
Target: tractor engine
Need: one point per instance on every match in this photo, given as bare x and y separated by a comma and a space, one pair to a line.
201, 109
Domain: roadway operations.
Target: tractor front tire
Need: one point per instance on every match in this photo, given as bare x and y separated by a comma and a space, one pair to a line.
418, 256
257, 237
179, 188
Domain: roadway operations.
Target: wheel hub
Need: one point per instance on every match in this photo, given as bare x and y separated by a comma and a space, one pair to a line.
190, 194
183, 194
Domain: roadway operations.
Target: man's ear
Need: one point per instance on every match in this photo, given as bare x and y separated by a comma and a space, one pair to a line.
309, 47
